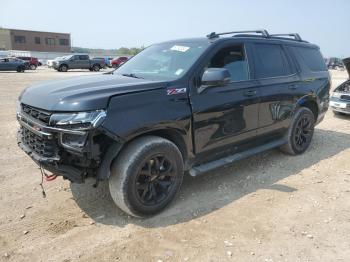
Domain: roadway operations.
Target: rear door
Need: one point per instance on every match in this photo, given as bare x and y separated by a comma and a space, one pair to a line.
278, 80
225, 116
84, 61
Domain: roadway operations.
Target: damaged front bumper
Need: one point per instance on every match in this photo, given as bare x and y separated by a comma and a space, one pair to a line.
73, 154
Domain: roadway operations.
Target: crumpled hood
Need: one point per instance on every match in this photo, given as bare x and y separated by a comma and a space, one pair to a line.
346, 62
83, 93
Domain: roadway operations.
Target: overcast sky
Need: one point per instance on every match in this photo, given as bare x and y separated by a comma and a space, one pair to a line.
113, 24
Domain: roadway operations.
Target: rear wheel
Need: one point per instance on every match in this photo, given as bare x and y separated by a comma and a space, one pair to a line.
32, 67
300, 132
146, 176
96, 68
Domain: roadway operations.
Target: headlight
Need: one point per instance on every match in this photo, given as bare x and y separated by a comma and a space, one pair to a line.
336, 95
79, 120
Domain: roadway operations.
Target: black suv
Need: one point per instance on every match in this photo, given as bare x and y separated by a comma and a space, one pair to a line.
185, 106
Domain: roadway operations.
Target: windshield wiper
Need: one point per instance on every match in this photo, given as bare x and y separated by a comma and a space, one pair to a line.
132, 75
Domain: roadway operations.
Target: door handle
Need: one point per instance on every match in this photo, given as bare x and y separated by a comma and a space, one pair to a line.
250, 93
293, 87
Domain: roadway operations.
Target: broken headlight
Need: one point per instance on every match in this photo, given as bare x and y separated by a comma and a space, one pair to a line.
79, 120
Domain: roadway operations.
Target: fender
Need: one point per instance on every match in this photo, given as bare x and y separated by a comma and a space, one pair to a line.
151, 112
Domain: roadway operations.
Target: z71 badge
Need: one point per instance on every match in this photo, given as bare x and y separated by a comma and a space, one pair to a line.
176, 91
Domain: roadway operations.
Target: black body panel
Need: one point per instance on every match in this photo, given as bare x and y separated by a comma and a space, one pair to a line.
207, 123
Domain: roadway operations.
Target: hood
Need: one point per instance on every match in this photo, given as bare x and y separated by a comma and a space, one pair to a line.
83, 93
346, 62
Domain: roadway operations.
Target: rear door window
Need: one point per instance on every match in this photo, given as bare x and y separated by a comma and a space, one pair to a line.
271, 61
311, 57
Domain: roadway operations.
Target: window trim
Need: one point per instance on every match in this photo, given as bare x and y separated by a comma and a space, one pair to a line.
287, 60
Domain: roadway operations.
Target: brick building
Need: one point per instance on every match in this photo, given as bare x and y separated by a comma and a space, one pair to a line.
14, 39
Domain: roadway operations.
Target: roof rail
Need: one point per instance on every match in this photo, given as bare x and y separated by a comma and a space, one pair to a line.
295, 35
263, 33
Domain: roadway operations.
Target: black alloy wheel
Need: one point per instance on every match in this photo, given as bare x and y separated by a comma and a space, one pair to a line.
155, 180
303, 132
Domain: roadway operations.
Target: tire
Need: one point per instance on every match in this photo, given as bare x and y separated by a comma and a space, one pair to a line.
20, 69
96, 68
300, 132
63, 68
32, 67
137, 185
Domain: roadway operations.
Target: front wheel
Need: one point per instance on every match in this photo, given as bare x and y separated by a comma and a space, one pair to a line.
63, 68
300, 132
146, 176
32, 67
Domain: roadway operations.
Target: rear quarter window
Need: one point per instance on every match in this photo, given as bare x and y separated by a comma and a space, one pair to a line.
311, 58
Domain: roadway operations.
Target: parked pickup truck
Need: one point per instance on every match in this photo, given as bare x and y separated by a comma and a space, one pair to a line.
78, 62
178, 107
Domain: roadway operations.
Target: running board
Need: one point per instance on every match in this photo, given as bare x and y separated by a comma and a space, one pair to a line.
197, 170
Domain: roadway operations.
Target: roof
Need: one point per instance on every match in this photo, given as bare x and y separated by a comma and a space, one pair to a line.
14, 29
251, 35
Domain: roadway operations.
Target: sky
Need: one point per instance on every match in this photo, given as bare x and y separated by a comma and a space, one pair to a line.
112, 24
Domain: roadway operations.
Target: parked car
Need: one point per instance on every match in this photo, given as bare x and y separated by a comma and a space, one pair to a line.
118, 61
340, 98
335, 63
107, 60
49, 62
186, 106
13, 64
32, 61
78, 62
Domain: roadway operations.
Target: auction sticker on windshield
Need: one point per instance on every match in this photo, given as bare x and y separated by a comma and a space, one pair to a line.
180, 48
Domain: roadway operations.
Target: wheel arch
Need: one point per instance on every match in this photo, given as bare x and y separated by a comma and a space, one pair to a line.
311, 104
115, 148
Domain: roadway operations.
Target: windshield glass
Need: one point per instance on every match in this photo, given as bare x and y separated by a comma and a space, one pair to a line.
166, 61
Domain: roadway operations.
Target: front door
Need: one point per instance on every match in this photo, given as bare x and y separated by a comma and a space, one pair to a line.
225, 116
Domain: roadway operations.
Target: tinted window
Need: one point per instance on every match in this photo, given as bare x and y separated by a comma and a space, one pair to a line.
233, 59
270, 61
311, 57
84, 57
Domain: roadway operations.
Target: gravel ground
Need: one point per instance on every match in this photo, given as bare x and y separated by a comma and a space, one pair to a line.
270, 207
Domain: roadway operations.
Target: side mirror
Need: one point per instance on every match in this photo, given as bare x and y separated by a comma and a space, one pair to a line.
215, 77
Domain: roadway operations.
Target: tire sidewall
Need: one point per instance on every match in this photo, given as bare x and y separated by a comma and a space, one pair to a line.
125, 170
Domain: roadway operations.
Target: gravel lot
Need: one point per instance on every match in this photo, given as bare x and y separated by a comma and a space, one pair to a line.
270, 207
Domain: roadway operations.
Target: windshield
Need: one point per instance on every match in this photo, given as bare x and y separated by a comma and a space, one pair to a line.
168, 61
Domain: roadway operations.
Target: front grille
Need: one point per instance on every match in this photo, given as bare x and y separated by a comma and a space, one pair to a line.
41, 115
345, 97
42, 146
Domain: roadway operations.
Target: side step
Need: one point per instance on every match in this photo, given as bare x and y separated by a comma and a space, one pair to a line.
197, 170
